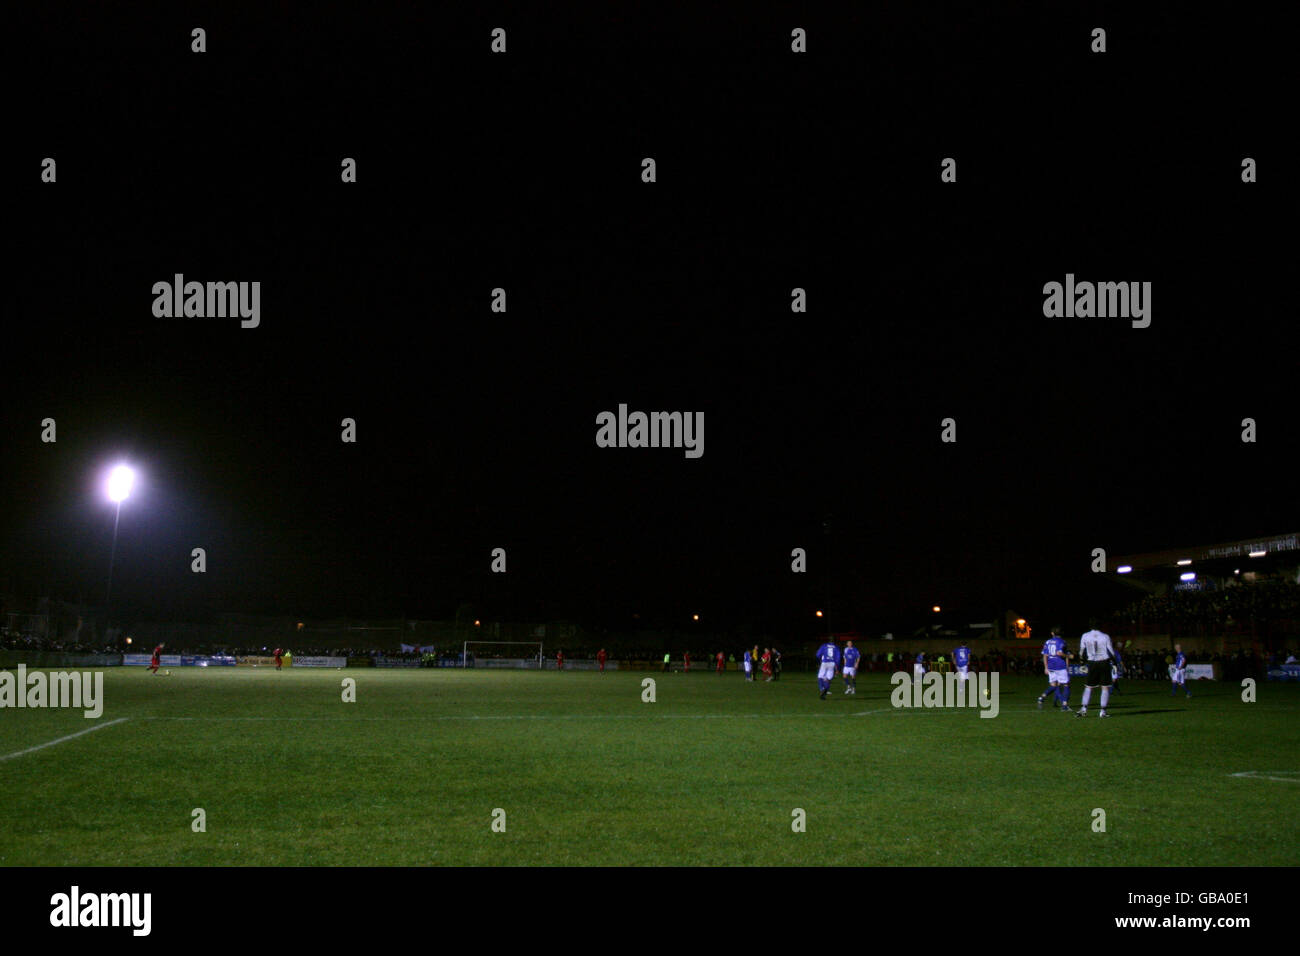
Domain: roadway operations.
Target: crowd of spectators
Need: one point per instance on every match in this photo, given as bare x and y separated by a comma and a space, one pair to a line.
1231, 610
13, 640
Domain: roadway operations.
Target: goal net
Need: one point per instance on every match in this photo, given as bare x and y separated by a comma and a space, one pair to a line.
518, 654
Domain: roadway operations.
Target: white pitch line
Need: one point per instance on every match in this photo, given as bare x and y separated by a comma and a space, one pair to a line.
856, 713
1267, 775
79, 733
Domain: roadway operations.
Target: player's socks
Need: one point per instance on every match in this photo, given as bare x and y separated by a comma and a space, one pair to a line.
1105, 698
1083, 706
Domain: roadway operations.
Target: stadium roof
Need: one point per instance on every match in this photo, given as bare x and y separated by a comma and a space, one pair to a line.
1214, 552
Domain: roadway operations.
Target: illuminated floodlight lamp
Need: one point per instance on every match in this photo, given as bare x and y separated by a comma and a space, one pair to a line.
1258, 554
1184, 562
1189, 576
1124, 569
120, 480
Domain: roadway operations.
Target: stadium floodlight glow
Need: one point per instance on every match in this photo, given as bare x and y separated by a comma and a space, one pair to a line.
1020, 621
936, 609
819, 613
1258, 554
1189, 576
1184, 562
120, 480
695, 617
1124, 569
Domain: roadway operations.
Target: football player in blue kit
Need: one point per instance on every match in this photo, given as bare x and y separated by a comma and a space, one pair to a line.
961, 660
1178, 672
828, 659
1056, 665
851, 657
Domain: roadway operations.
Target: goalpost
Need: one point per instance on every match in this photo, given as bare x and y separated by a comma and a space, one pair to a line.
513, 658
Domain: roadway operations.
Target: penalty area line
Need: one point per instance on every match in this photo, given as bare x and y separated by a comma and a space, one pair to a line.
51, 743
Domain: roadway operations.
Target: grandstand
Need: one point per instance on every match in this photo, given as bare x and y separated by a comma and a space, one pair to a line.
1216, 597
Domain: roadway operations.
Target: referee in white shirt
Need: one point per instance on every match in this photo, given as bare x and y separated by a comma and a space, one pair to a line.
1095, 648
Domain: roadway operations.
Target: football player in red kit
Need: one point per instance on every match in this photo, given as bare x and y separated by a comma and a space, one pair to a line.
600, 659
559, 660
279, 657
721, 663
686, 659
153, 664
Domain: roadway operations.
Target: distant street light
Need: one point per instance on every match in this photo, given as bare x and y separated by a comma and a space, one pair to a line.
936, 609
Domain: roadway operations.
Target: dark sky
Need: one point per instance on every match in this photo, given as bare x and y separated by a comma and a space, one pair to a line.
477, 430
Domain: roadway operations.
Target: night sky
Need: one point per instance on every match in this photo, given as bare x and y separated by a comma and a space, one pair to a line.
477, 430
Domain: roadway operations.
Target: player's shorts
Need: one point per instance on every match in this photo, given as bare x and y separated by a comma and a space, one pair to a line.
826, 671
1059, 676
1098, 673
850, 671
1177, 676
961, 672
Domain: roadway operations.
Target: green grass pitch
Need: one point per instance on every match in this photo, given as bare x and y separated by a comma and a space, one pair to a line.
589, 774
